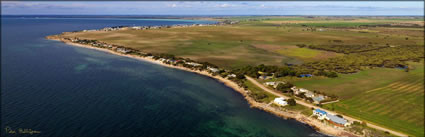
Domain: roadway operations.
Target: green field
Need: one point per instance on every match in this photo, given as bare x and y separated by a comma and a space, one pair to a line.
306, 53
388, 97
337, 24
349, 85
303, 109
252, 42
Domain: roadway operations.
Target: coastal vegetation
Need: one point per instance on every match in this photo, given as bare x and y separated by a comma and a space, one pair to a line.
374, 66
258, 94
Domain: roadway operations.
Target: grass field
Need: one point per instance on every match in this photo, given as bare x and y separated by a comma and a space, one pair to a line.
303, 109
252, 42
256, 90
388, 97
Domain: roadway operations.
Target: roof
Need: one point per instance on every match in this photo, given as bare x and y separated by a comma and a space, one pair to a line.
271, 83
320, 111
319, 98
303, 90
280, 100
336, 119
306, 75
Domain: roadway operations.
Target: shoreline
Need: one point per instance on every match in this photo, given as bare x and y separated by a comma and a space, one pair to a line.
313, 123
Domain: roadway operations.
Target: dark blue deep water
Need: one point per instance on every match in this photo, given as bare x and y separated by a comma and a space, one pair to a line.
61, 90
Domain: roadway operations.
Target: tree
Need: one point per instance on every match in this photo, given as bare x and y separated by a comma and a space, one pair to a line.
284, 87
309, 99
238, 76
332, 75
364, 124
281, 87
301, 95
292, 102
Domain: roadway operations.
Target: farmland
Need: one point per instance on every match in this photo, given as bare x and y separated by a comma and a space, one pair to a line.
256, 42
388, 97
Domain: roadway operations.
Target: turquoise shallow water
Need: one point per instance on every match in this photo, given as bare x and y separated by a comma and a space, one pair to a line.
62, 90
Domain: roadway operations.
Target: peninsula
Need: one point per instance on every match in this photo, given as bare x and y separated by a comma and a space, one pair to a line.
344, 76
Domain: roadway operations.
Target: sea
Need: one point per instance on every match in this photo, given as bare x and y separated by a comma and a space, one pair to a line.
49, 88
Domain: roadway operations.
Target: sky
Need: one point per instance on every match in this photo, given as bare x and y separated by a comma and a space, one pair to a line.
213, 8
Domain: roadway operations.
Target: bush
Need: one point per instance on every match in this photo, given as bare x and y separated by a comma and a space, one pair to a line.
284, 87
291, 102
258, 96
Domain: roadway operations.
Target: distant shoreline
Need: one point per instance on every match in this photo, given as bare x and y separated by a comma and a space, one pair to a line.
314, 123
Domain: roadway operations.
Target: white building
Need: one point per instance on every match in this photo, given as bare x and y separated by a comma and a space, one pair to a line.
193, 64
270, 83
231, 76
280, 101
309, 94
301, 90
136, 27
274, 84
123, 50
214, 70
265, 77
294, 88
162, 59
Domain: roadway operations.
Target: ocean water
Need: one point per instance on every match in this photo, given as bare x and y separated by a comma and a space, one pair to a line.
61, 90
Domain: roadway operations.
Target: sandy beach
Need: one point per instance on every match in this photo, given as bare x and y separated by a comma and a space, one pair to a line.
316, 124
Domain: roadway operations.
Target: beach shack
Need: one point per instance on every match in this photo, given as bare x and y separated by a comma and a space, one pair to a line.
214, 70
298, 91
280, 101
123, 50
231, 76
193, 64
270, 83
309, 94
320, 114
318, 99
337, 121
162, 59
273, 84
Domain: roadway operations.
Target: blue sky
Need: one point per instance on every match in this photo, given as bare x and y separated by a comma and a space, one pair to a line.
213, 8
